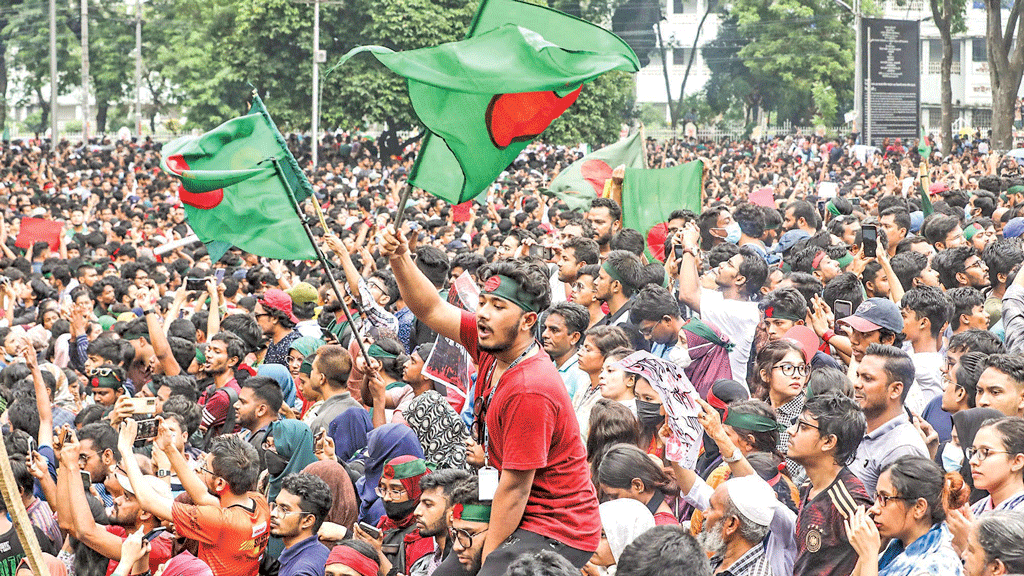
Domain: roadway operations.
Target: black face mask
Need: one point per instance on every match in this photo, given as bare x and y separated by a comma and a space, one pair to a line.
398, 511
649, 414
275, 463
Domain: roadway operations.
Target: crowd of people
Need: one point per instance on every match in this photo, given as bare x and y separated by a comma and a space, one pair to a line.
850, 317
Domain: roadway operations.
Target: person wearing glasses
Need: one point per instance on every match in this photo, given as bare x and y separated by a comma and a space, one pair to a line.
398, 543
106, 384
470, 523
782, 371
926, 310
295, 517
909, 511
883, 381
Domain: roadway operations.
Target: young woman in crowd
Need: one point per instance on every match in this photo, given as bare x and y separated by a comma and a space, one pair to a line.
617, 384
908, 510
627, 472
622, 521
782, 370
599, 342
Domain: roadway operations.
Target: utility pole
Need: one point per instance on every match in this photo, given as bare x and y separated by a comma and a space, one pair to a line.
138, 69
858, 73
85, 71
314, 131
53, 76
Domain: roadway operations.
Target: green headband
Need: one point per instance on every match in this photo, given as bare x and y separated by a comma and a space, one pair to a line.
845, 260
832, 208
1015, 190
105, 382
377, 352
200, 357
472, 512
504, 287
626, 288
752, 422
405, 470
971, 230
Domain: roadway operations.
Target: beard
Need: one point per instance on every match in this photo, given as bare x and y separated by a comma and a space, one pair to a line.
435, 529
124, 520
712, 539
603, 239
510, 337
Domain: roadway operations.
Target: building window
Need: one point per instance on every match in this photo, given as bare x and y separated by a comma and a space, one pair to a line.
978, 53
685, 6
982, 118
681, 57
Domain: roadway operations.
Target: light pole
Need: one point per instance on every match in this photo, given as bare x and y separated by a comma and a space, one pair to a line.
858, 65
138, 69
319, 57
85, 72
53, 76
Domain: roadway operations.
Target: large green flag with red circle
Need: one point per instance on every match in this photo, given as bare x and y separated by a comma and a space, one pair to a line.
240, 186
485, 98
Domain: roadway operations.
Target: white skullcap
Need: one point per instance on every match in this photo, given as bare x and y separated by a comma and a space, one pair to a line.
753, 497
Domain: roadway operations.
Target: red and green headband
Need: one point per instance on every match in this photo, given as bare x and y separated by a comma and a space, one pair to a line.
404, 470
472, 512
504, 287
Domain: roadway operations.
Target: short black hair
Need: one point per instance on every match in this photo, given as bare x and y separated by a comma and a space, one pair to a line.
244, 327
628, 239
541, 563
446, 479
234, 345
434, 264
584, 249
897, 365
939, 227
840, 416
576, 317
627, 264
750, 217
314, 495
975, 340
786, 299
614, 210
931, 303
236, 461
754, 269
845, 286
103, 438
907, 266
901, 217
808, 285
950, 262
661, 547
1001, 256
963, 299
1010, 364
804, 209
184, 351
267, 390
653, 303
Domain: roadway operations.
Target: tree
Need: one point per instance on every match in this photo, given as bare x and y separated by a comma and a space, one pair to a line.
1005, 66
712, 5
598, 114
948, 16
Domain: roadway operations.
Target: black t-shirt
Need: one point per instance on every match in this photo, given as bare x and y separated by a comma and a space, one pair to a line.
11, 550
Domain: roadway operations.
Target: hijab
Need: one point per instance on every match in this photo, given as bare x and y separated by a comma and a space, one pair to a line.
185, 564
382, 444
283, 378
967, 423
440, 431
349, 430
624, 520
344, 506
306, 345
294, 442
709, 356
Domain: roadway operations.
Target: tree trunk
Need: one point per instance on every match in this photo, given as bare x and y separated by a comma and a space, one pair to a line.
101, 116
944, 23
693, 54
44, 119
3, 85
1005, 64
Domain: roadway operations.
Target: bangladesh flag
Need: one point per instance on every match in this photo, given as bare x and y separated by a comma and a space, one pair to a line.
485, 98
233, 192
650, 196
583, 180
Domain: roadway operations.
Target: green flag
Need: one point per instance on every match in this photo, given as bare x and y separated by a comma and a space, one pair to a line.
649, 196
484, 99
583, 180
235, 195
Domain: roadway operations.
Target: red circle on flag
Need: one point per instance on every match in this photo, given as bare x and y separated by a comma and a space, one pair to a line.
492, 284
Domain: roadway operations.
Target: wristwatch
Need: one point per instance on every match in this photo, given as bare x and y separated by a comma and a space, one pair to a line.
736, 456
163, 473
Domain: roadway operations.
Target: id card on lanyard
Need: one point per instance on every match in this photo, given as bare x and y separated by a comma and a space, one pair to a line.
488, 475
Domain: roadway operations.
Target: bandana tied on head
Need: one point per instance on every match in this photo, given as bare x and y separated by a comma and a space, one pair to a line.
353, 559
472, 512
504, 287
627, 289
408, 470
751, 422
375, 351
109, 381
771, 312
971, 230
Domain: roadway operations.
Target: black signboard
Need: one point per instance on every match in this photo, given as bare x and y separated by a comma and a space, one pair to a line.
892, 80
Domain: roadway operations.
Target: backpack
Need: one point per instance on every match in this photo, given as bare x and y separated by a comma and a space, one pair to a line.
229, 421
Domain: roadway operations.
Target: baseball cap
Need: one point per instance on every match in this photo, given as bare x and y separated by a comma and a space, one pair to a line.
278, 300
805, 338
1014, 228
302, 293
874, 314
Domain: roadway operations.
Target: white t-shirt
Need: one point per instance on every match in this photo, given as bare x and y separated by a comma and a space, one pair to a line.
927, 380
737, 320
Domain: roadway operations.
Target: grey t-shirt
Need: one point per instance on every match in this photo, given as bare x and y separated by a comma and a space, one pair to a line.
896, 438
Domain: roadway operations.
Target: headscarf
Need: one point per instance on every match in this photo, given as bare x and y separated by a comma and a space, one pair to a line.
348, 556
349, 430
344, 507
306, 345
709, 355
283, 377
382, 444
967, 423
294, 442
441, 432
624, 520
185, 564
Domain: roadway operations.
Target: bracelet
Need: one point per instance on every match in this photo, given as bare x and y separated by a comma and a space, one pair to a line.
735, 457
828, 335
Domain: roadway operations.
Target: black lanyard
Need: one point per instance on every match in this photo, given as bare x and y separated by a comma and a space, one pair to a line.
494, 388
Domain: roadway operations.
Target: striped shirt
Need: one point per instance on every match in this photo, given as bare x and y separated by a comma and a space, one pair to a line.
753, 562
822, 547
1013, 503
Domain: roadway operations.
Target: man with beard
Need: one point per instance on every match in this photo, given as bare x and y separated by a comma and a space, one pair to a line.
126, 516
223, 353
230, 522
576, 253
296, 515
605, 216
525, 424
615, 285
433, 517
470, 524
257, 406
736, 524
563, 331
400, 544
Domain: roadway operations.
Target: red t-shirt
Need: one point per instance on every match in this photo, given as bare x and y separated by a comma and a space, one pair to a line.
159, 549
231, 540
532, 426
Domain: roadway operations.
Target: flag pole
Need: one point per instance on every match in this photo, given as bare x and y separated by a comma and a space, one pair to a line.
323, 262
402, 201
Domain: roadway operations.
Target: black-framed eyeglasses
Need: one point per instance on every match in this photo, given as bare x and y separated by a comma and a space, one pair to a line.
801, 423
207, 470
788, 369
883, 499
464, 537
982, 453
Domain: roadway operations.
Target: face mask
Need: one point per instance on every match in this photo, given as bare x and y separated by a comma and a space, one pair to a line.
275, 463
399, 510
732, 233
952, 457
967, 211
649, 414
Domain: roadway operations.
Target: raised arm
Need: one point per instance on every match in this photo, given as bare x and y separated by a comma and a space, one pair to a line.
161, 347
93, 535
689, 276
148, 499
43, 404
191, 481
418, 293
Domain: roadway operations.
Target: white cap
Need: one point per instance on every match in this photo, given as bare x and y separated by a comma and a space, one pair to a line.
161, 487
753, 497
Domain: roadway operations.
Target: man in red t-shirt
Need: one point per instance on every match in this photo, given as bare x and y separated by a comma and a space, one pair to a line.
230, 522
223, 353
525, 418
